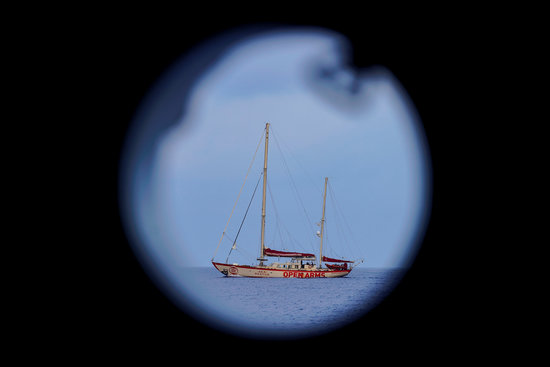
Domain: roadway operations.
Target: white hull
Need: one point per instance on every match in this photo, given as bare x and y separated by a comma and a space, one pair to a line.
267, 272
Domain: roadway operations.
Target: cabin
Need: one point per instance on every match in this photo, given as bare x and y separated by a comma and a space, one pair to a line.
306, 263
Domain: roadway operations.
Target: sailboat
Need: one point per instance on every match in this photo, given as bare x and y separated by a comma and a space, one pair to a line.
300, 264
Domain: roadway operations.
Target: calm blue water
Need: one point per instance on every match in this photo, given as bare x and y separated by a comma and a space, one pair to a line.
279, 307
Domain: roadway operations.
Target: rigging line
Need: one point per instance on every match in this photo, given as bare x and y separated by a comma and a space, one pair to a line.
280, 223
327, 239
337, 217
293, 184
246, 254
343, 238
238, 196
338, 220
239, 231
329, 249
229, 238
339, 212
301, 166
277, 218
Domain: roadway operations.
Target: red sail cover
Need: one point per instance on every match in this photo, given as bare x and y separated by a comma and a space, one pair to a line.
331, 260
270, 252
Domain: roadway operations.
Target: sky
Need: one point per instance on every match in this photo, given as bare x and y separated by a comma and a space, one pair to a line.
369, 144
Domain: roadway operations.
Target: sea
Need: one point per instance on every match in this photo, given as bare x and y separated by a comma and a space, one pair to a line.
283, 307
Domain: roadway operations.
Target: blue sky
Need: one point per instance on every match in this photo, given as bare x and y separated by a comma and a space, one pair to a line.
369, 144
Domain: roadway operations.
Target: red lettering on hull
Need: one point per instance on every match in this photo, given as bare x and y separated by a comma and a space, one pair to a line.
303, 274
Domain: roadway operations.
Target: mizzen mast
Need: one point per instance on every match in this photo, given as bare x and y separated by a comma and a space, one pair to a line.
262, 257
323, 223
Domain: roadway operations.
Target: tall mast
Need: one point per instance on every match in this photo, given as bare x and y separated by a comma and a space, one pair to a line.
323, 222
263, 196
